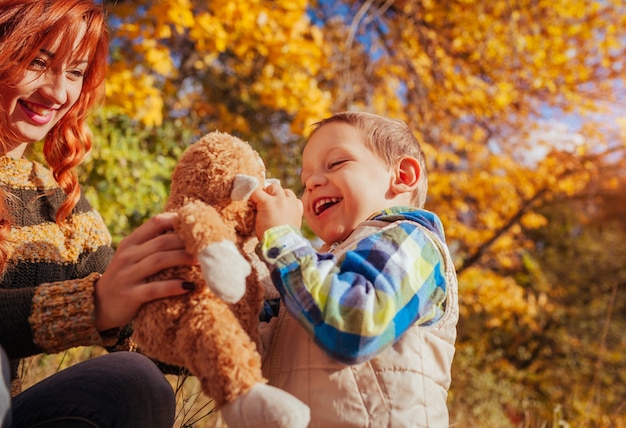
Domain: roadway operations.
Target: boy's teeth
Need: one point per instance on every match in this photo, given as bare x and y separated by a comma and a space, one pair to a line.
321, 203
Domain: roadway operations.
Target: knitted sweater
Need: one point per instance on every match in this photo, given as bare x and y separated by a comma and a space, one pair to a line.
46, 292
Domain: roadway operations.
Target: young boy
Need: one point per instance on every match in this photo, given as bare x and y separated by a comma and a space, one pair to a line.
366, 328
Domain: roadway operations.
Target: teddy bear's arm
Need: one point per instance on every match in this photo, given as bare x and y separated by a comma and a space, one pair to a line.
207, 237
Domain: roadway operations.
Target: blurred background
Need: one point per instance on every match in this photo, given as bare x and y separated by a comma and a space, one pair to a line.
521, 106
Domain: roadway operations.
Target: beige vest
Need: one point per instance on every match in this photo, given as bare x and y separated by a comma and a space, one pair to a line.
404, 386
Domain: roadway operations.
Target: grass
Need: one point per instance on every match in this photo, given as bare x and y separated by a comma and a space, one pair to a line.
193, 408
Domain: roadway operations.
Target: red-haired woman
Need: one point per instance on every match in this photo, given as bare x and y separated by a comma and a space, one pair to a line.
62, 285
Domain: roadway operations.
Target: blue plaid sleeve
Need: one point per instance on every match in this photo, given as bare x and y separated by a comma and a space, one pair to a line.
356, 306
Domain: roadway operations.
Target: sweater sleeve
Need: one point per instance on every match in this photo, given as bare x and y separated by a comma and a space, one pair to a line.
50, 318
356, 306
63, 315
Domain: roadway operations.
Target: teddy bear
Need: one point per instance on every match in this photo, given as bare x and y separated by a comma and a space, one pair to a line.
212, 330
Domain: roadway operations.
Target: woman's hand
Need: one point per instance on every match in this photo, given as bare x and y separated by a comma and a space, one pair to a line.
276, 206
123, 288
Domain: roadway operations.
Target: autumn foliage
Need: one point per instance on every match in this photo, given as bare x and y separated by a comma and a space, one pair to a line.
520, 107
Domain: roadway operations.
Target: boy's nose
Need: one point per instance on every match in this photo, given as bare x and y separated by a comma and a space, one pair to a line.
314, 181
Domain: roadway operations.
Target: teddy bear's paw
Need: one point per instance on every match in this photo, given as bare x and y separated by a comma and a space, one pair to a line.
265, 406
225, 270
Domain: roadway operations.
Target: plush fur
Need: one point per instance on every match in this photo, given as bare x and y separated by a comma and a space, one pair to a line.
212, 331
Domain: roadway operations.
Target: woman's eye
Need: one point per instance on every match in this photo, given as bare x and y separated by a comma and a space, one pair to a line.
39, 64
76, 74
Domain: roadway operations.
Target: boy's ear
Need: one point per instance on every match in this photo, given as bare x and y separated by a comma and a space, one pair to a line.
407, 174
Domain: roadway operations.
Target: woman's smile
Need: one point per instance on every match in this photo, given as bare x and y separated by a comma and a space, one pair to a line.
36, 112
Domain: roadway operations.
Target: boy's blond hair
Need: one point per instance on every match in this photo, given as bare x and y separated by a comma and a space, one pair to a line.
388, 138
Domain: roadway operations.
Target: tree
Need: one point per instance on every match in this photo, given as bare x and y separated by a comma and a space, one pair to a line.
504, 95
246, 68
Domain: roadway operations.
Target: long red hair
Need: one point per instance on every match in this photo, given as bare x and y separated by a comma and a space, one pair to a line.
26, 26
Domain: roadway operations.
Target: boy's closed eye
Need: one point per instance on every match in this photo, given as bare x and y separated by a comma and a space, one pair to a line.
336, 163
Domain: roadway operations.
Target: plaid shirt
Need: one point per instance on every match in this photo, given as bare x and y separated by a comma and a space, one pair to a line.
360, 302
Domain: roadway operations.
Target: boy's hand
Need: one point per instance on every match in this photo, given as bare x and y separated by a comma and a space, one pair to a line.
276, 206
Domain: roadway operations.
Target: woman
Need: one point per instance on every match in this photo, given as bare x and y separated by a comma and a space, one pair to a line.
62, 284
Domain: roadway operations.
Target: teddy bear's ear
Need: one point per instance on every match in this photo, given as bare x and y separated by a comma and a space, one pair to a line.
243, 186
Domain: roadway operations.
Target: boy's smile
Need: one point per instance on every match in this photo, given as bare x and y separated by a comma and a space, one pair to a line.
323, 204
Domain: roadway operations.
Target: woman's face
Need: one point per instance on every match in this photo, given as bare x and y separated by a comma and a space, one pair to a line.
41, 96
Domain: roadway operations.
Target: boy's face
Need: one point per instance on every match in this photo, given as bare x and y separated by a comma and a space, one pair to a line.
344, 181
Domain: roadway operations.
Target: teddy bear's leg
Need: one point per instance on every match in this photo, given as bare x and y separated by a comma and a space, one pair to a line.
227, 364
218, 351
265, 406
